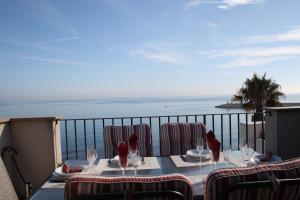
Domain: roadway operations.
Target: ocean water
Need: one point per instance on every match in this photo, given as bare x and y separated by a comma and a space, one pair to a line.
128, 107
115, 107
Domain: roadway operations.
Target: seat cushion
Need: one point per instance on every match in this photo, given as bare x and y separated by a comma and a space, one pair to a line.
177, 138
7, 191
89, 185
219, 181
114, 134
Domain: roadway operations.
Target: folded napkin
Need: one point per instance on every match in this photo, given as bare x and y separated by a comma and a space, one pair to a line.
133, 141
123, 153
122, 149
71, 169
214, 145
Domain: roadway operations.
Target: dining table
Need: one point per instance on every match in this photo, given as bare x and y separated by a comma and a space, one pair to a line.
195, 171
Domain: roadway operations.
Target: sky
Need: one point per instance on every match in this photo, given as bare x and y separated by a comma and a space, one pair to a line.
66, 49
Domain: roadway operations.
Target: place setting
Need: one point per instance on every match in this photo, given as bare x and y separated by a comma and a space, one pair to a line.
74, 167
128, 158
200, 155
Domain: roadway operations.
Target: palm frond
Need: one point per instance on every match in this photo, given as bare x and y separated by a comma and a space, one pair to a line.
257, 92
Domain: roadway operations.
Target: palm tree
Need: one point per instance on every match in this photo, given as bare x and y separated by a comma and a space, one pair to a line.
258, 92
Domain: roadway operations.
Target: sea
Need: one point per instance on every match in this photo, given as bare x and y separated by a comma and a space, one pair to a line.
126, 107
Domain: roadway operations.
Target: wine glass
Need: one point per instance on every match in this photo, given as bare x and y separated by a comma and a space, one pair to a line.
212, 160
135, 162
249, 152
133, 152
243, 147
199, 145
227, 154
123, 162
91, 156
215, 157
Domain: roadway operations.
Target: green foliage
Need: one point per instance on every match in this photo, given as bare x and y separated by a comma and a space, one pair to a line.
258, 92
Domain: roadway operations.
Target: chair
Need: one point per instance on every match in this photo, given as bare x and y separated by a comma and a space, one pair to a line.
7, 190
267, 181
113, 134
177, 138
165, 187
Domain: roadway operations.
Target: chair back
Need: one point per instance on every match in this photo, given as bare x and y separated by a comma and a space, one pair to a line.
7, 190
177, 138
112, 135
155, 187
267, 181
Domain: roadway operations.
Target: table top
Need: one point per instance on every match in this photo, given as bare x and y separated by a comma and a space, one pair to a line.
196, 173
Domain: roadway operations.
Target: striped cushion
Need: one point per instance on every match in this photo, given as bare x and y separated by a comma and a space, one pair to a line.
89, 185
218, 181
114, 134
177, 138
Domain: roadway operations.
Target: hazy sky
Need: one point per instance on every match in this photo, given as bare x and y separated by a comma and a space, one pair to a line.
58, 49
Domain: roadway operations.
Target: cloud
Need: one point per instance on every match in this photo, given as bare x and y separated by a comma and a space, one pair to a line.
48, 60
59, 40
254, 56
158, 56
249, 62
255, 52
40, 46
158, 52
290, 35
247, 57
192, 3
222, 4
226, 4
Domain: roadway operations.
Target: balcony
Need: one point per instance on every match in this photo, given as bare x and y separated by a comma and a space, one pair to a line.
44, 143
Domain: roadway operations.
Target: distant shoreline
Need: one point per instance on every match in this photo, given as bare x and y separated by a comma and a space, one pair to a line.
239, 106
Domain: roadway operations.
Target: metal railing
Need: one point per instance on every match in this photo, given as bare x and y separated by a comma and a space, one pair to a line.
80, 134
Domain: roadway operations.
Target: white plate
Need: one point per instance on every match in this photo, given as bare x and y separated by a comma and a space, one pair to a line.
195, 154
58, 172
115, 161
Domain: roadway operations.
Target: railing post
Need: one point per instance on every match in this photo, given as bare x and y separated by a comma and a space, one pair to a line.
85, 144
254, 135
94, 131
213, 122
238, 127
66, 138
246, 128
222, 131
75, 131
230, 139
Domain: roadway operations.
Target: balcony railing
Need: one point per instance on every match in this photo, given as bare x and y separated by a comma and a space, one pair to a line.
77, 135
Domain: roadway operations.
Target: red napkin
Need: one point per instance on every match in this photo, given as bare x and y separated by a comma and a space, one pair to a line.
267, 157
68, 169
214, 145
123, 149
123, 153
133, 141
